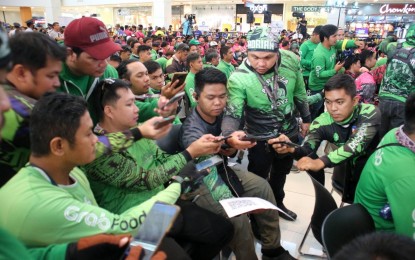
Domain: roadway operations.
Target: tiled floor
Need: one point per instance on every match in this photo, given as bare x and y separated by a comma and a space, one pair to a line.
300, 199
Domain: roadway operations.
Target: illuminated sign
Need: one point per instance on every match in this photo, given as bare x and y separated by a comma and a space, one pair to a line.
397, 9
259, 9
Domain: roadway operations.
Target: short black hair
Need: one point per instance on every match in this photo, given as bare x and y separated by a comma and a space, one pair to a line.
32, 50
55, 115
223, 51
122, 70
317, 29
182, 47
409, 125
378, 245
327, 30
147, 38
192, 57
209, 76
211, 55
152, 66
364, 55
143, 47
106, 93
350, 60
341, 81
115, 57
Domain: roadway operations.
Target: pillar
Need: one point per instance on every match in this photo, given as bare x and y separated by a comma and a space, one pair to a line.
25, 14
162, 13
52, 10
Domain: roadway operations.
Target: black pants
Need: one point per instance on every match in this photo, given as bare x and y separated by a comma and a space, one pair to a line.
269, 165
200, 232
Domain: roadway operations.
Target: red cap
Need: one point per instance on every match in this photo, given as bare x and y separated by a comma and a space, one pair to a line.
91, 35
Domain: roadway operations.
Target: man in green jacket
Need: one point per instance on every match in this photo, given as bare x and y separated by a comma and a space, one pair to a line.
226, 55
265, 89
88, 46
306, 52
323, 63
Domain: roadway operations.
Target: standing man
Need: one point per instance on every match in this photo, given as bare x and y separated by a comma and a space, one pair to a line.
55, 33
302, 27
195, 64
323, 63
306, 53
178, 62
265, 89
88, 46
398, 80
226, 55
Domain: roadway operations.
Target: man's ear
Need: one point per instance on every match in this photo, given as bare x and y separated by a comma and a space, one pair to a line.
70, 54
20, 72
356, 100
195, 96
57, 145
108, 111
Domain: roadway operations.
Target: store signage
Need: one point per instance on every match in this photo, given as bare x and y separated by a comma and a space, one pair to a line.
259, 9
307, 9
397, 9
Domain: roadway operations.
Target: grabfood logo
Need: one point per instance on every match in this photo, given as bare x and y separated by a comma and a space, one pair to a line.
74, 213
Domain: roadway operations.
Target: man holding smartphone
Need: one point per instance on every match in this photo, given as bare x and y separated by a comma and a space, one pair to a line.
266, 89
224, 182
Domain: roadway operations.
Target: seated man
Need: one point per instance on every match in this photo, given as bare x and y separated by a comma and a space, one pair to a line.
124, 179
387, 185
206, 118
351, 126
49, 200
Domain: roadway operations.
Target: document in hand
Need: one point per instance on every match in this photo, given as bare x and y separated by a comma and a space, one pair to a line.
238, 206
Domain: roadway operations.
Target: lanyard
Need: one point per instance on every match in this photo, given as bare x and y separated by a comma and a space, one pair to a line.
272, 93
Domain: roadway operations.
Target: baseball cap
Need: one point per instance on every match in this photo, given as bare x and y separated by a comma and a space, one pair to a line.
262, 39
194, 42
213, 43
90, 35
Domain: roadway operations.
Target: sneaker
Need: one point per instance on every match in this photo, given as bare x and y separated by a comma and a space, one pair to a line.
295, 169
289, 212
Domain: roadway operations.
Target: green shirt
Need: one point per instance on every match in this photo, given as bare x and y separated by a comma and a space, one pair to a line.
226, 68
323, 62
64, 213
388, 177
190, 88
162, 61
83, 85
306, 53
154, 54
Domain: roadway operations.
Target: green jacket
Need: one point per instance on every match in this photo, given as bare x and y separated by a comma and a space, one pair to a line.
83, 85
190, 88
323, 62
306, 53
263, 117
399, 79
226, 68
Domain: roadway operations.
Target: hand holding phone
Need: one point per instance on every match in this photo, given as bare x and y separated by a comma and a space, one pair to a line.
289, 144
163, 122
223, 138
175, 98
158, 222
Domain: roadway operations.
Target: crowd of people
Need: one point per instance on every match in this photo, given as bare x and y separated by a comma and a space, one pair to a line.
80, 168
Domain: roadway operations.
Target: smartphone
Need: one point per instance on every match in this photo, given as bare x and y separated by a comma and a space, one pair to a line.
146, 96
212, 161
175, 98
181, 76
157, 224
290, 144
254, 138
222, 139
163, 122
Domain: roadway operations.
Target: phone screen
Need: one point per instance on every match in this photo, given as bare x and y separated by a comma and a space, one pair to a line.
181, 76
163, 122
158, 222
208, 163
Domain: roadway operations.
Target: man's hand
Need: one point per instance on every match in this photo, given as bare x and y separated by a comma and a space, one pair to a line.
137, 251
148, 129
338, 66
305, 127
170, 89
236, 142
166, 110
308, 164
281, 148
205, 145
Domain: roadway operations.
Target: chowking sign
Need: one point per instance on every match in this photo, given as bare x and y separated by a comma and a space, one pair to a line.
397, 9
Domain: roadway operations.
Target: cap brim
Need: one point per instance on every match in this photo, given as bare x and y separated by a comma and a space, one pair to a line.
103, 50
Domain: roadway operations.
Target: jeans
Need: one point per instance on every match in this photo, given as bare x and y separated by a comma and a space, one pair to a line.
316, 109
392, 115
